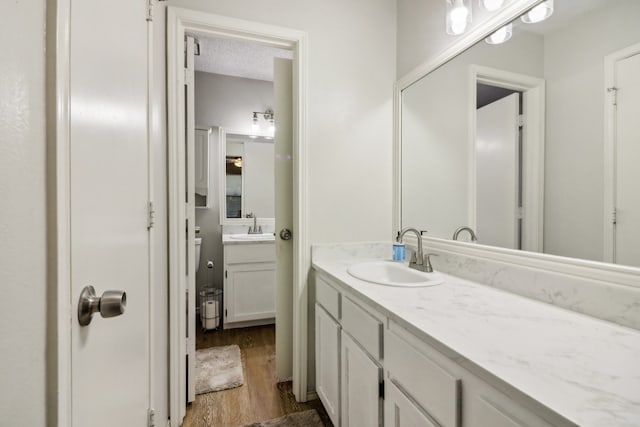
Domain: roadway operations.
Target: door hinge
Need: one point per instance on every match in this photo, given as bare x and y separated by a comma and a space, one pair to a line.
225, 274
151, 418
188, 76
151, 213
381, 390
149, 10
614, 216
521, 120
225, 312
614, 94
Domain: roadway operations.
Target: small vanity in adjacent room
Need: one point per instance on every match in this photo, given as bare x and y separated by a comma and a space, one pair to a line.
249, 279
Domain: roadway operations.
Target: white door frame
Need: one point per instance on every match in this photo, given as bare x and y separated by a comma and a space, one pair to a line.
179, 21
533, 92
610, 146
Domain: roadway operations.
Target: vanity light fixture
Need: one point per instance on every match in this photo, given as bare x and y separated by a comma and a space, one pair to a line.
539, 13
501, 35
458, 16
268, 116
255, 127
491, 5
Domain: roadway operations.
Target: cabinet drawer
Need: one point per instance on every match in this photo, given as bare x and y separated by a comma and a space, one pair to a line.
435, 389
362, 326
264, 252
328, 297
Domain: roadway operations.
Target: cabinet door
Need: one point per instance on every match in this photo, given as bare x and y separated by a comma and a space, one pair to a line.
328, 363
399, 411
249, 292
360, 385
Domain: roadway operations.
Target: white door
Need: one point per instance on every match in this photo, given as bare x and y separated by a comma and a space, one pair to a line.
108, 210
359, 380
190, 222
627, 158
328, 364
497, 173
283, 96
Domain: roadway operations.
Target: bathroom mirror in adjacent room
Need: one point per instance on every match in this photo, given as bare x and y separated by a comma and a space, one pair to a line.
531, 136
246, 177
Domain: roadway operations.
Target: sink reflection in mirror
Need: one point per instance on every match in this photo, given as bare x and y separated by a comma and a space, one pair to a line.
516, 140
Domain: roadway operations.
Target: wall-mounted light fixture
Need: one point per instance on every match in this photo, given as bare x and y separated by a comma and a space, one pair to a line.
491, 5
269, 118
501, 35
539, 13
458, 16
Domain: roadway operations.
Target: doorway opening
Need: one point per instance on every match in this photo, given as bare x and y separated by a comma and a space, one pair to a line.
210, 113
506, 123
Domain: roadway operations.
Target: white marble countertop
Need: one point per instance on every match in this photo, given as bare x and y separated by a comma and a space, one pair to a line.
583, 369
266, 238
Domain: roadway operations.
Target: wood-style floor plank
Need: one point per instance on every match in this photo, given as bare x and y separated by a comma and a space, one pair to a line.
260, 398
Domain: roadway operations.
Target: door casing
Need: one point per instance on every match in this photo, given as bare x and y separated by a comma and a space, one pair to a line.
179, 21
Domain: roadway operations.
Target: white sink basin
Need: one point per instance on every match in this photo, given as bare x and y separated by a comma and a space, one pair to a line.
263, 236
392, 273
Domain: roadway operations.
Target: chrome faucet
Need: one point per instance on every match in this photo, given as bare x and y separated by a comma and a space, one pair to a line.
465, 228
256, 229
418, 260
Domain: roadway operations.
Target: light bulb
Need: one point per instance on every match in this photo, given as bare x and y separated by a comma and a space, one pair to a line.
501, 35
458, 17
492, 5
539, 13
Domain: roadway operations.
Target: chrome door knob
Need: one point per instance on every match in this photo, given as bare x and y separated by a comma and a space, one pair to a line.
285, 234
110, 304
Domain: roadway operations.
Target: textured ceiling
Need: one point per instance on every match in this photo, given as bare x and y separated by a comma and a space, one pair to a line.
238, 58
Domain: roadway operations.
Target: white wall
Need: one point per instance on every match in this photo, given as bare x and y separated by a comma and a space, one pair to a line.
228, 102
435, 139
574, 175
23, 305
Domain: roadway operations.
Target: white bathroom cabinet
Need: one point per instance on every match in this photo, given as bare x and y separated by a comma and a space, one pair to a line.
388, 376
348, 350
328, 363
249, 285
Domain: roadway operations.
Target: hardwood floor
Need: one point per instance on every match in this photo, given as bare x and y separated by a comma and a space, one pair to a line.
260, 398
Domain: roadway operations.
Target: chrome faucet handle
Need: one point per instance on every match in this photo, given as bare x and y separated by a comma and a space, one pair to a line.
427, 262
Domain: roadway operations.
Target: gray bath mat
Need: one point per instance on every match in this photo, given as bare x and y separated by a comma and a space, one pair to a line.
218, 368
308, 418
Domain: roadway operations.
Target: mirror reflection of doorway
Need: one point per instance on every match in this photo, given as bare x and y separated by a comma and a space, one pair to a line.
507, 116
622, 153
498, 149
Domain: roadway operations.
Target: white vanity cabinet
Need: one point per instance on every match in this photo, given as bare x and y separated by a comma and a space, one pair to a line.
426, 383
371, 370
328, 363
249, 284
348, 358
